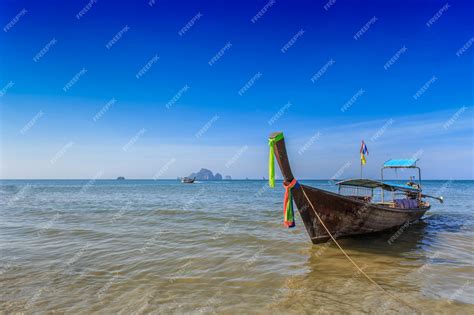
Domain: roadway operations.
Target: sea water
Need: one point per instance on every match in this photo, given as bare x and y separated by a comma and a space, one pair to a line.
141, 246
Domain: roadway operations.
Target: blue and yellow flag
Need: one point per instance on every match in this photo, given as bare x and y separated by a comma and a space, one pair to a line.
363, 152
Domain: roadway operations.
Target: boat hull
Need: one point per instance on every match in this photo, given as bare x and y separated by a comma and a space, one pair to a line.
344, 216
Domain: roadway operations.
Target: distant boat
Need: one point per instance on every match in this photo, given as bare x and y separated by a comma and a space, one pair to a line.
188, 180
354, 211
120, 178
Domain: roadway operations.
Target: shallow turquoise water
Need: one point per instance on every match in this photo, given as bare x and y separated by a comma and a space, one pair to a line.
140, 246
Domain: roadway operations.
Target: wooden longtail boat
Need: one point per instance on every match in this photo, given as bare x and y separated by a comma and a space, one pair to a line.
358, 212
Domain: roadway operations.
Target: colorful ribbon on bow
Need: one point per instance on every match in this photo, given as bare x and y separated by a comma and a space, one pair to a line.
271, 159
288, 214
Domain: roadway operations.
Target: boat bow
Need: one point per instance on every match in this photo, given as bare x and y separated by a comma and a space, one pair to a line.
277, 142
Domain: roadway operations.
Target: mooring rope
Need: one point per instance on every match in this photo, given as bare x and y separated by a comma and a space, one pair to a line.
352, 261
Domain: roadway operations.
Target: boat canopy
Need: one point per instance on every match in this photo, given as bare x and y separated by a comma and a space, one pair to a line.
369, 183
400, 163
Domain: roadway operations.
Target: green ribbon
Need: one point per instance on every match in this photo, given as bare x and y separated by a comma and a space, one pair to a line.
271, 159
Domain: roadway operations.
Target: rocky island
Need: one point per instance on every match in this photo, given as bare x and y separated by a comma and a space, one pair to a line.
205, 174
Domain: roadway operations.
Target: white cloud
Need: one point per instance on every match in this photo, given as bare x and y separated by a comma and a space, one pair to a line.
447, 153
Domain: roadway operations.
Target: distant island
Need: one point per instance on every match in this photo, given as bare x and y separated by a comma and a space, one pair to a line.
205, 174
120, 178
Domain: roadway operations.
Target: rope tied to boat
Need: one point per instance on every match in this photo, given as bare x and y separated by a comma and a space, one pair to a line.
271, 159
288, 213
352, 261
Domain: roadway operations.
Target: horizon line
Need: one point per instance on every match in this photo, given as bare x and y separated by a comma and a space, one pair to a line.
217, 180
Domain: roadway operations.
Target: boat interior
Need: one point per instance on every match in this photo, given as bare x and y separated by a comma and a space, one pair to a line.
384, 197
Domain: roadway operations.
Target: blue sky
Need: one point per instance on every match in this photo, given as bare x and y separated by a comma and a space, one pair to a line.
162, 80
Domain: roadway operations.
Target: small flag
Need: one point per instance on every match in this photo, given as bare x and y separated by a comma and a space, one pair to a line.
363, 152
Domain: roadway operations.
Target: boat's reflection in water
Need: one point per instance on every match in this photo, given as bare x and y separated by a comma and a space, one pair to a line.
397, 260
394, 242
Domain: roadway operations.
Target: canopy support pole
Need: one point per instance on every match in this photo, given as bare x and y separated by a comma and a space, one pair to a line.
381, 171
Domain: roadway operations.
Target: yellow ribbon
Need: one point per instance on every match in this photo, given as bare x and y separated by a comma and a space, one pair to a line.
271, 159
